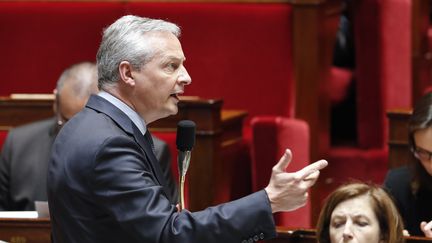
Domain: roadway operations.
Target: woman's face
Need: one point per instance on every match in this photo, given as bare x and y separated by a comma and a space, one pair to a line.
423, 143
354, 221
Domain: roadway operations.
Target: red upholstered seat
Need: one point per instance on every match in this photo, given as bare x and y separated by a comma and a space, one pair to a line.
240, 52
340, 79
3, 135
270, 137
38, 40
382, 31
383, 47
232, 50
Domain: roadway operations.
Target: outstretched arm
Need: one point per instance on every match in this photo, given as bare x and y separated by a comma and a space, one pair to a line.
289, 191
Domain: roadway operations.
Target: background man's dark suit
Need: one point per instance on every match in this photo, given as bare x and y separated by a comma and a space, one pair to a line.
23, 165
108, 187
24, 162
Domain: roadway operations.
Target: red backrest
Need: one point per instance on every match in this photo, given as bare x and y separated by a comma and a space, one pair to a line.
383, 65
3, 135
38, 40
233, 50
270, 137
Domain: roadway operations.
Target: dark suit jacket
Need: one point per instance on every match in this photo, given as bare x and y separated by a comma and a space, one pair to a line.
24, 162
413, 208
105, 185
23, 165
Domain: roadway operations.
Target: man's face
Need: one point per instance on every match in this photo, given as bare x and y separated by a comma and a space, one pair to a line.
160, 81
68, 103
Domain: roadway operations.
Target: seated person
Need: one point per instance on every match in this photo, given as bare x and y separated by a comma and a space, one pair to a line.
26, 151
411, 185
362, 213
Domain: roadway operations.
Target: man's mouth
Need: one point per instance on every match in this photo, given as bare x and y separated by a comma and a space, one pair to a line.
176, 95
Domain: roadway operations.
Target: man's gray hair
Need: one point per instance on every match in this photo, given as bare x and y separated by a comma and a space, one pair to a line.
82, 76
123, 41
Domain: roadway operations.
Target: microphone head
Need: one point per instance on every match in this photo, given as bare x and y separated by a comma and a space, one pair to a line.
185, 139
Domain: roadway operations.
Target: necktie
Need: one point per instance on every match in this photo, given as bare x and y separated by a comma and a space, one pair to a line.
149, 138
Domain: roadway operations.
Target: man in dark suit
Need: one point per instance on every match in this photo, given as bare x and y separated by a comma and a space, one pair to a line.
104, 182
27, 149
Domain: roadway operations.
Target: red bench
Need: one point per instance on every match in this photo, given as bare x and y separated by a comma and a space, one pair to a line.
266, 58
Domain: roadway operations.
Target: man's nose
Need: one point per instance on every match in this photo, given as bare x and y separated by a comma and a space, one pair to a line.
184, 77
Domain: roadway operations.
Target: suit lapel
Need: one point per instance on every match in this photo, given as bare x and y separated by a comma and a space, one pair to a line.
122, 120
148, 151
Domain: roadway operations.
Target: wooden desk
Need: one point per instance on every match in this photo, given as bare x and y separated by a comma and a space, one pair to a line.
287, 235
399, 151
216, 131
39, 230
25, 230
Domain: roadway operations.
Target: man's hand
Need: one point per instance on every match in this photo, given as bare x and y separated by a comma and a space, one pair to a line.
426, 228
289, 191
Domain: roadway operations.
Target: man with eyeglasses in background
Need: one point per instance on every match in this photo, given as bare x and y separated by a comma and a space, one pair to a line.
27, 149
411, 185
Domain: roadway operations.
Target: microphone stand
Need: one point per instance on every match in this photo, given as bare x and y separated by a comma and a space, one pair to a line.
184, 160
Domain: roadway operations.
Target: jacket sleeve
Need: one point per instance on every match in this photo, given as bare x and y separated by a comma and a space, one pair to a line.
124, 184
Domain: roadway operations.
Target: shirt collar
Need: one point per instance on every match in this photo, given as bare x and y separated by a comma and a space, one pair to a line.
133, 115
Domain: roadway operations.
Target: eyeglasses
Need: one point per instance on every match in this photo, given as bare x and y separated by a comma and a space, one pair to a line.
421, 154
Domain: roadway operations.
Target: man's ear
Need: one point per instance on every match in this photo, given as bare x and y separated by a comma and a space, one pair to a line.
125, 70
55, 103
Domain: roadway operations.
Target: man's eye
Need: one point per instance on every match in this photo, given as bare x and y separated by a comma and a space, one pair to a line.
173, 66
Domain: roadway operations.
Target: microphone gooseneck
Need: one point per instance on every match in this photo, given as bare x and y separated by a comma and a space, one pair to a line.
185, 140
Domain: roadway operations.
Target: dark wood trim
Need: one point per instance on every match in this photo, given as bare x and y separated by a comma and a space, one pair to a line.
291, 235
399, 151
217, 129
314, 35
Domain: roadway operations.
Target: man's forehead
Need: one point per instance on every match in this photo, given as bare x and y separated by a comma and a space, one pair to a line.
167, 53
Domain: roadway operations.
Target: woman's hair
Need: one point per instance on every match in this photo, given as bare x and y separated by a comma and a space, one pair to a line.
420, 119
390, 222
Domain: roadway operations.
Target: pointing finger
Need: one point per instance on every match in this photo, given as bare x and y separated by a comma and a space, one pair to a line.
284, 161
312, 176
310, 169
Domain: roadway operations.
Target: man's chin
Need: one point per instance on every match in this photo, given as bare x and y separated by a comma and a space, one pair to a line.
168, 111
173, 110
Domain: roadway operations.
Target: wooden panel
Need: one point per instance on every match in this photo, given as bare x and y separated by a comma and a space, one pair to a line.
25, 230
38, 231
216, 129
14, 112
286, 235
315, 27
399, 152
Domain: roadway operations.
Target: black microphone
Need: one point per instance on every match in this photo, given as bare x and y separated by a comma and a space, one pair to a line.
185, 140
